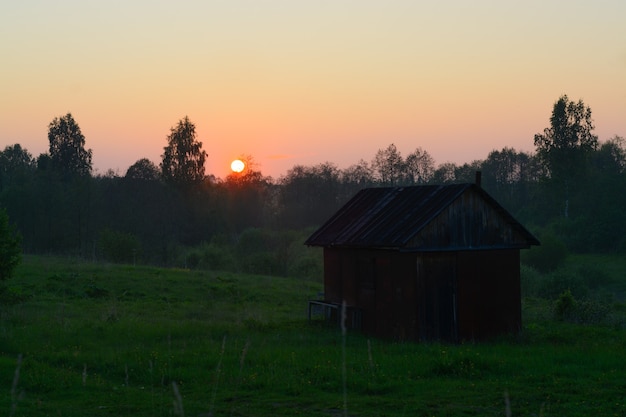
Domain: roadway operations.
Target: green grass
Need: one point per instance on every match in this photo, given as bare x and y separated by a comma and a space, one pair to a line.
108, 340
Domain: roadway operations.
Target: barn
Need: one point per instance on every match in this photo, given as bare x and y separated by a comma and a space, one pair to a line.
432, 262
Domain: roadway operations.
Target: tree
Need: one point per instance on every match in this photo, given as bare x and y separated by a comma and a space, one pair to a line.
247, 196
467, 171
564, 147
355, 178
359, 174
309, 195
503, 167
610, 158
143, 169
419, 167
10, 247
445, 173
507, 175
388, 165
183, 157
16, 164
67, 202
68, 155
603, 204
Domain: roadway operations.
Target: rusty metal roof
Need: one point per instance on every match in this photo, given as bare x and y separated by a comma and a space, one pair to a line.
389, 217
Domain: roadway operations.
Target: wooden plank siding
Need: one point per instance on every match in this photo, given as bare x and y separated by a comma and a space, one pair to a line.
469, 222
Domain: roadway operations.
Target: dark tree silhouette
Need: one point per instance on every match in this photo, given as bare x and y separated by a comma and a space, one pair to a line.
388, 166
355, 178
183, 157
467, 171
507, 175
247, 197
564, 147
10, 243
68, 155
359, 174
419, 167
16, 164
445, 173
144, 170
611, 156
308, 195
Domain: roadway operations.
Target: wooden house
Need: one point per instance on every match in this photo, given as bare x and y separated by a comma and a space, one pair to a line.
424, 263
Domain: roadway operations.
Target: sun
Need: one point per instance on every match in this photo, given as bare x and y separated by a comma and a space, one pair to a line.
237, 165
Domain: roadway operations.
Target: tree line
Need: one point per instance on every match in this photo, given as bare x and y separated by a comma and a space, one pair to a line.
571, 187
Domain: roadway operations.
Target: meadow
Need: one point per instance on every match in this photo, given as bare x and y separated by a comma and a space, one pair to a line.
95, 339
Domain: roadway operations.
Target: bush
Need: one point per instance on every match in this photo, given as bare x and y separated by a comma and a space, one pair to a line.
217, 257
258, 251
192, 259
253, 241
532, 281
567, 308
265, 251
208, 256
119, 247
10, 247
591, 312
594, 277
564, 306
262, 263
548, 257
560, 281
308, 267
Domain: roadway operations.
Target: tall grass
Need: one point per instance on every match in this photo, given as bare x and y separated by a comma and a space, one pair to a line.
154, 342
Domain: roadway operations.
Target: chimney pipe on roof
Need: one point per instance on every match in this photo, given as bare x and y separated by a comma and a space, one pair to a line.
478, 178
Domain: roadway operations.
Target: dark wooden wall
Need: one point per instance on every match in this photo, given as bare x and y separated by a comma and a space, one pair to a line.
489, 290
467, 295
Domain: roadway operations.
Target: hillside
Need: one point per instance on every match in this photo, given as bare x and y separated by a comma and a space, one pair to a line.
111, 340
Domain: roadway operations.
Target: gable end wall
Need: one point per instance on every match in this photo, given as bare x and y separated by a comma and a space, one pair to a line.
468, 223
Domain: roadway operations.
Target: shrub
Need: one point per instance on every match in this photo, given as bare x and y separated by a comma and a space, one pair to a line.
10, 247
217, 257
253, 240
259, 251
307, 267
265, 251
564, 306
193, 259
594, 277
560, 281
262, 263
208, 256
531, 281
567, 308
119, 247
547, 257
591, 312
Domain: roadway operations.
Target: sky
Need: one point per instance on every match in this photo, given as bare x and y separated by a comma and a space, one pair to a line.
298, 82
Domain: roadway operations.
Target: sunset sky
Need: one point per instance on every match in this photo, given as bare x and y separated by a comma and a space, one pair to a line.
303, 82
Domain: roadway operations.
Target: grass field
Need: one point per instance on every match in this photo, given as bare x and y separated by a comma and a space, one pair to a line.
83, 339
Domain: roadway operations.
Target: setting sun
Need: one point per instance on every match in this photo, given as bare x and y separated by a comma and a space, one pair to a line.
237, 165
